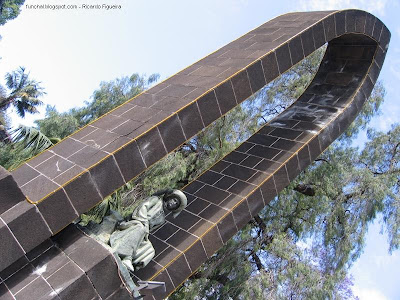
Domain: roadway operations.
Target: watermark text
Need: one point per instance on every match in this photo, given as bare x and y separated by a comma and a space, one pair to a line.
73, 6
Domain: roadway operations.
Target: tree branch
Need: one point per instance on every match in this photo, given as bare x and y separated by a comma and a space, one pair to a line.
323, 159
257, 261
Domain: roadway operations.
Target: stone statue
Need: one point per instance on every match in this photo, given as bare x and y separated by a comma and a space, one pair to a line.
130, 240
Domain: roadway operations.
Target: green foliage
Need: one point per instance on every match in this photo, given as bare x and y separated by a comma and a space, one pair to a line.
381, 160
57, 125
25, 143
10, 158
124, 200
9, 9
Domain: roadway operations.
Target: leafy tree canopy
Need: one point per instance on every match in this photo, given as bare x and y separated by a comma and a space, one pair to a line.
9, 9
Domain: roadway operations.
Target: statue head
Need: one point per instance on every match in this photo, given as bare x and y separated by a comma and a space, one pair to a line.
175, 201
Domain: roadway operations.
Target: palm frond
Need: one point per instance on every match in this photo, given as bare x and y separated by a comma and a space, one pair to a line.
11, 80
30, 138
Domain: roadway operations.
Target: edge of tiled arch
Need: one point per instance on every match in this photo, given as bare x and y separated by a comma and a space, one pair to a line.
273, 52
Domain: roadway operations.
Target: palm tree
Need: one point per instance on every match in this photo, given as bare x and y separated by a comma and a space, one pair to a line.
24, 93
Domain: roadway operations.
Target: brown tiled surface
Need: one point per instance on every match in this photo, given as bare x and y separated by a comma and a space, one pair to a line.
68, 266
132, 137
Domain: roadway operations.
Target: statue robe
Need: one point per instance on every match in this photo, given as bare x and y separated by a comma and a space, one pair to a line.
131, 239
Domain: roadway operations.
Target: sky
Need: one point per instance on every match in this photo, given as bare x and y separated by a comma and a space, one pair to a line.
70, 51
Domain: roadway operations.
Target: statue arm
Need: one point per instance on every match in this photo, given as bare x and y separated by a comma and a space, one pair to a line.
126, 224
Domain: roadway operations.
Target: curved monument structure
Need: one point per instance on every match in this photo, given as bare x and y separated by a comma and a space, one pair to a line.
89, 165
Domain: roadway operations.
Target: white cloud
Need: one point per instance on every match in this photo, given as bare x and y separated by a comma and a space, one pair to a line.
368, 294
303, 245
382, 260
324, 5
374, 6
390, 116
385, 123
395, 68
